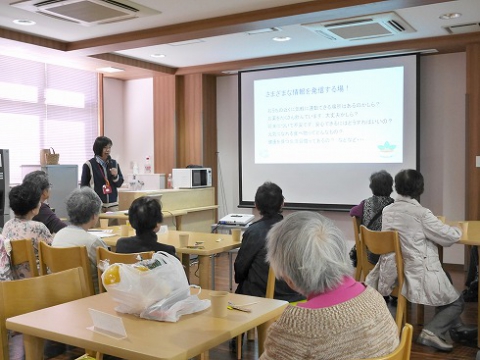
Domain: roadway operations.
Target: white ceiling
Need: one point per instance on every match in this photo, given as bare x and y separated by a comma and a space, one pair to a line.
230, 42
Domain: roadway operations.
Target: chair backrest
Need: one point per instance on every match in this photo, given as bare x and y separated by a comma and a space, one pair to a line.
63, 258
384, 242
22, 251
356, 232
270, 292
362, 255
473, 228
18, 297
113, 257
404, 349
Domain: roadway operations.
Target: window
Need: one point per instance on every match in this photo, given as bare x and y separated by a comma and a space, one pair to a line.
43, 106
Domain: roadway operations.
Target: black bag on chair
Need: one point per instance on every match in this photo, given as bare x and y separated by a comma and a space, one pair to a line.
471, 294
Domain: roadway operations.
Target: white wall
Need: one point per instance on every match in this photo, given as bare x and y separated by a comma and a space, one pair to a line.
442, 139
129, 123
114, 116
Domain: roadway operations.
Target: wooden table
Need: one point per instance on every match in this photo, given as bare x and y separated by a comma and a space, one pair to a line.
146, 340
212, 243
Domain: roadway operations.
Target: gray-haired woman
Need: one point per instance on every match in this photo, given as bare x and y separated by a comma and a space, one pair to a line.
45, 215
83, 208
309, 252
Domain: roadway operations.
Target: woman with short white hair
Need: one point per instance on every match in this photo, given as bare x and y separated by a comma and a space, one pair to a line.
342, 319
83, 209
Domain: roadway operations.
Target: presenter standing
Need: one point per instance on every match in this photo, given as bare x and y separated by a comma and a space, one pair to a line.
103, 174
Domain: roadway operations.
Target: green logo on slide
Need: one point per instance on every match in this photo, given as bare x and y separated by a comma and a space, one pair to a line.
386, 148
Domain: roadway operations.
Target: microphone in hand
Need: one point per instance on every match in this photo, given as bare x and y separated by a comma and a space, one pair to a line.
111, 163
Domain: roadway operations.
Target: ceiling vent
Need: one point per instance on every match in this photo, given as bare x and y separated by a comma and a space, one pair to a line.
87, 12
463, 28
365, 27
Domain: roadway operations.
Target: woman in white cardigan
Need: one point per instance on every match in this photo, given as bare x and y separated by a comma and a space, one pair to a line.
425, 280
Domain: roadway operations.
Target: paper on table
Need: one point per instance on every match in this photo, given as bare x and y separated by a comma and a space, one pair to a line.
102, 234
107, 324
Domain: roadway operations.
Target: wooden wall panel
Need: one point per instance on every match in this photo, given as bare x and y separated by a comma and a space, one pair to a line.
191, 151
164, 123
185, 130
472, 176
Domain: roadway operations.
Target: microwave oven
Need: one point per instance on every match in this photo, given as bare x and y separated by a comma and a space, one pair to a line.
191, 178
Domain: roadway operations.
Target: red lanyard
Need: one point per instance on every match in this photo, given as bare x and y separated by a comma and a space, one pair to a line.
103, 173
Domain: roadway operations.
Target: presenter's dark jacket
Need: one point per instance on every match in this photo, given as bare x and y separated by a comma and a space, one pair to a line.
49, 218
93, 175
144, 242
251, 267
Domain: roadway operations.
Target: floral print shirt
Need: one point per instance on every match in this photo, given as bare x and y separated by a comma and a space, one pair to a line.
17, 229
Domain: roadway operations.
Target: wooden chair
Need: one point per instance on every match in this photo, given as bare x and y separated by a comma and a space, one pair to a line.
63, 258
22, 251
18, 297
269, 293
384, 242
113, 257
356, 232
362, 257
403, 351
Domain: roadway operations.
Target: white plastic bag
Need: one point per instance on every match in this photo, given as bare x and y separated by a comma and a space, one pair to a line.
153, 293
171, 308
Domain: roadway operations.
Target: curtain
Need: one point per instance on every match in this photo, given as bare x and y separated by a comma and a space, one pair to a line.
43, 106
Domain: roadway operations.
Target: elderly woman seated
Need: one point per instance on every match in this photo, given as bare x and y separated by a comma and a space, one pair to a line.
45, 215
342, 319
145, 216
83, 209
25, 203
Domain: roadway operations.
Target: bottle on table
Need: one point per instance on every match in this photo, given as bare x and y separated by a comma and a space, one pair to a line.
169, 182
148, 165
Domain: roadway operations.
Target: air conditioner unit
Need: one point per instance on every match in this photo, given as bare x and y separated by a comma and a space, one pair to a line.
365, 27
87, 12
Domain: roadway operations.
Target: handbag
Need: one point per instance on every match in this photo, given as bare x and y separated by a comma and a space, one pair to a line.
49, 157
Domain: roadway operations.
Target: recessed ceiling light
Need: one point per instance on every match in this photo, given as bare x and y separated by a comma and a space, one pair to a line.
24, 22
450, 16
263, 31
158, 55
186, 42
282, 38
110, 69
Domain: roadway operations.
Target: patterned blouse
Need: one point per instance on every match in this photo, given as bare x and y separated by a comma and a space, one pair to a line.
17, 229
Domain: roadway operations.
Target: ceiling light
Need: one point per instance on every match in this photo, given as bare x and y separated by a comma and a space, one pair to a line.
450, 16
24, 22
110, 69
282, 38
158, 55
186, 42
263, 31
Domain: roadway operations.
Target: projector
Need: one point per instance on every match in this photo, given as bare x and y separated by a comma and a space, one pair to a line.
236, 219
